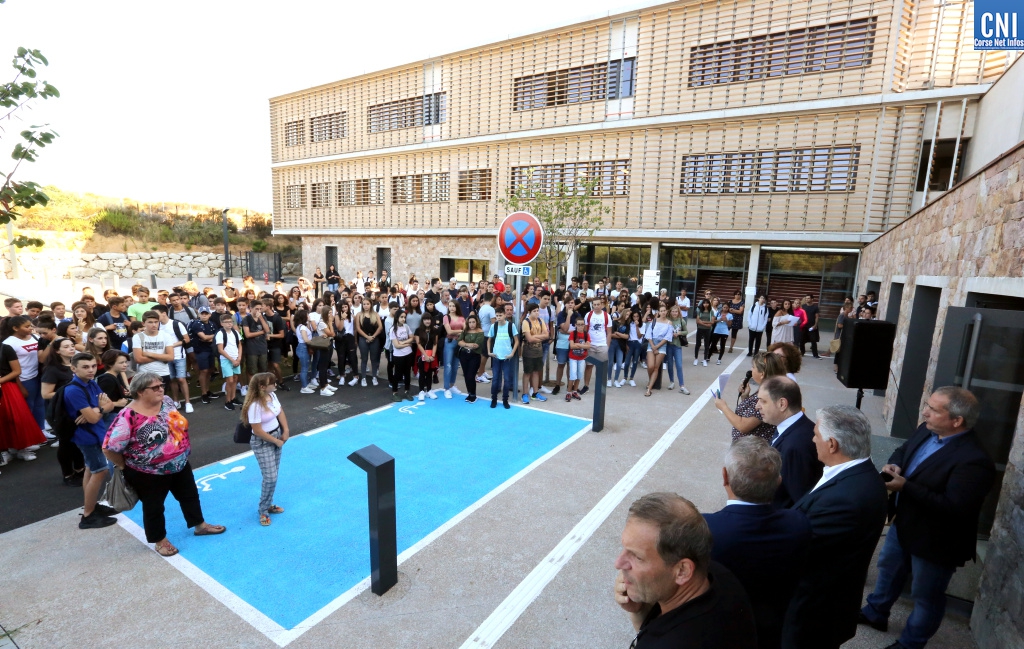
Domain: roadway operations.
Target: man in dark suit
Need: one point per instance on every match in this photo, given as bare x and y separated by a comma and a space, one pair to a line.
764, 547
940, 478
846, 509
780, 404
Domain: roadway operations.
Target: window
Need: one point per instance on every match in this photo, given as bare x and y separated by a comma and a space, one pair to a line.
293, 133
420, 188
819, 169
943, 164
321, 195
612, 177
295, 197
575, 85
799, 51
407, 113
365, 191
328, 127
475, 185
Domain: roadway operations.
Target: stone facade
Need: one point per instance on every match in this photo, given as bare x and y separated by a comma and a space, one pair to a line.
420, 256
973, 236
65, 264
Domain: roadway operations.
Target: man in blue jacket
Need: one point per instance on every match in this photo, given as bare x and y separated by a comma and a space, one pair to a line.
781, 405
939, 481
764, 547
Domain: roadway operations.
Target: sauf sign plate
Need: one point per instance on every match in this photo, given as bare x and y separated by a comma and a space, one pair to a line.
998, 25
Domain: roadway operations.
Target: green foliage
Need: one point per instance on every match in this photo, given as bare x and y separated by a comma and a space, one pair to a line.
259, 245
114, 221
569, 215
17, 94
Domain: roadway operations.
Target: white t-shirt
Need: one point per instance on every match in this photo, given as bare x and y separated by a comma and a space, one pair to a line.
388, 323
304, 332
28, 355
684, 305
401, 332
597, 325
486, 316
230, 342
265, 417
156, 345
167, 328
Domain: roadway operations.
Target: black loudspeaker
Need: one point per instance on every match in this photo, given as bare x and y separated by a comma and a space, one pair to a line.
865, 353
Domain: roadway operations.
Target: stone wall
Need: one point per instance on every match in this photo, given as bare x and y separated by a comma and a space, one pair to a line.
65, 264
970, 239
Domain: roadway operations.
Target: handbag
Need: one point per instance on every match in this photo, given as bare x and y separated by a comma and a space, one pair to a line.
243, 433
319, 342
120, 494
833, 346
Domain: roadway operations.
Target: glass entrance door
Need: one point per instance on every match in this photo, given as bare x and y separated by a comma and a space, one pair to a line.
983, 351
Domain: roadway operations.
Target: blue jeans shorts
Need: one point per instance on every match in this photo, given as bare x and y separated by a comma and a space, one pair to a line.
177, 368
95, 460
562, 355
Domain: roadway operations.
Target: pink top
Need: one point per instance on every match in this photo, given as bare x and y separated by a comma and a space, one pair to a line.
156, 444
456, 324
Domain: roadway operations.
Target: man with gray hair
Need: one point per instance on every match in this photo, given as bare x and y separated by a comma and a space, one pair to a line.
675, 594
846, 509
763, 546
938, 481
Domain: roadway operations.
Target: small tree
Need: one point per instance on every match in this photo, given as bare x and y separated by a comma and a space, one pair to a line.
570, 214
14, 96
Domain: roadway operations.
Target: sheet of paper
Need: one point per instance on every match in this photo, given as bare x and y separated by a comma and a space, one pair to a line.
722, 380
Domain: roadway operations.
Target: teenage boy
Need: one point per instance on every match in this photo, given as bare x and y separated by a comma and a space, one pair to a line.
180, 310
736, 308
58, 309
152, 348
90, 303
487, 315
598, 325
33, 309
229, 350
86, 403
115, 322
255, 332
275, 340
201, 332
142, 304
502, 344
179, 379
46, 330
579, 345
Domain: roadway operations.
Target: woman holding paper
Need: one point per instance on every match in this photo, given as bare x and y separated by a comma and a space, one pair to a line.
747, 420
782, 324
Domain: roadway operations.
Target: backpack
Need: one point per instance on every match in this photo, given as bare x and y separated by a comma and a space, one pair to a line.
494, 332
57, 413
607, 322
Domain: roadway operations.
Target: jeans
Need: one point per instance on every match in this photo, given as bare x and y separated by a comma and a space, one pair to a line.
754, 341
634, 351
333, 288
369, 350
35, 401
503, 375
302, 353
618, 358
451, 363
674, 356
928, 589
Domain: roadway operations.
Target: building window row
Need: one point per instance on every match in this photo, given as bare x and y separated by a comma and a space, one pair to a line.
598, 81
611, 176
365, 191
422, 110
419, 188
321, 128
829, 47
817, 169
475, 185
295, 197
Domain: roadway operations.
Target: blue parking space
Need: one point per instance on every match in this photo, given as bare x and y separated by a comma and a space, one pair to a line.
448, 455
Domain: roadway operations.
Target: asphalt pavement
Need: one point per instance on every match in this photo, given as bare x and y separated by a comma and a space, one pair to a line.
33, 491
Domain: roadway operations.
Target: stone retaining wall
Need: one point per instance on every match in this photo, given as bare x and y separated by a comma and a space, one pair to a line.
65, 264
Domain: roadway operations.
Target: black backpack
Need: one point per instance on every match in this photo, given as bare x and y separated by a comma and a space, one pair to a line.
62, 423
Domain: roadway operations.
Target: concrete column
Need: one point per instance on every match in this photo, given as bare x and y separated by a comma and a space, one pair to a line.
655, 250
751, 289
571, 266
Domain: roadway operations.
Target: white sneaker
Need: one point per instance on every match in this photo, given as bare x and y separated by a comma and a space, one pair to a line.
423, 395
5, 457
26, 455
355, 379
671, 385
48, 435
664, 366
644, 363
632, 383
482, 379
457, 392
327, 392
447, 394
488, 376
363, 383
374, 381
188, 407
245, 390
608, 384
545, 389
704, 363
307, 390
432, 394
684, 390
34, 447
695, 362
718, 362
314, 384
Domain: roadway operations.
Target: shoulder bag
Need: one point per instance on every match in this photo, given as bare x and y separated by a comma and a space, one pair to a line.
120, 494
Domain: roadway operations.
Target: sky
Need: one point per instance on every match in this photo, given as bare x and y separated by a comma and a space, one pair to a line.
169, 101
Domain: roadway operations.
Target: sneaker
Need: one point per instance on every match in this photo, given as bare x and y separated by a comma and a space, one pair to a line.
576, 395
237, 400
585, 389
556, 389
282, 386
482, 379
494, 402
25, 455
355, 379
95, 521
189, 408
540, 397
244, 390
608, 384
704, 363
457, 392
307, 390
684, 390
644, 363
314, 384
472, 398
408, 397
469, 398
205, 399
326, 393
395, 397
526, 398
546, 390
568, 396
448, 394
104, 510
229, 405
488, 376
211, 395
363, 382
671, 385
432, 394
374, 381
423, 396
718, 362
296, 378
5, 457
632, 383
504, 402
695, 362
750, 354
48, 435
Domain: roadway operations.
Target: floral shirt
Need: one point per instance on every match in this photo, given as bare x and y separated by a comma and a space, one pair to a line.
747, 409
158, 445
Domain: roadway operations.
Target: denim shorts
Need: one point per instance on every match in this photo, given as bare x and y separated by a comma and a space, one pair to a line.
562, 355
177, 368
95, 460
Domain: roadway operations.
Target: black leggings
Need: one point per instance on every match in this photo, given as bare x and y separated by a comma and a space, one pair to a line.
716, 338
153, 489
293, 343
702, 335
402, 372
323, 364
754, 341
346, 347
470, 364
426, 375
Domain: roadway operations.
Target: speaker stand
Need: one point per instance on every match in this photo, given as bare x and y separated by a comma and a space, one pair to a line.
860, 397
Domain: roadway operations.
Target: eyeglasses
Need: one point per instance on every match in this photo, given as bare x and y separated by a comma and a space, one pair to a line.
159, 386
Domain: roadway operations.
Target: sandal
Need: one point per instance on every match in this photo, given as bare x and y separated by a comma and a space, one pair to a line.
274, 509
209, 529
648, 393
264, 520
165, 549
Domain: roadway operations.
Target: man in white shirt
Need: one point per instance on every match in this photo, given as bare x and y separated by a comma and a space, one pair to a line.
598, 324
177, 332
683, 303
153, 349
487, 316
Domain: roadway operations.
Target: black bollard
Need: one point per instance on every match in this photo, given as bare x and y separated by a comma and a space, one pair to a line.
600, 393
152, 280
380, 483
189, 279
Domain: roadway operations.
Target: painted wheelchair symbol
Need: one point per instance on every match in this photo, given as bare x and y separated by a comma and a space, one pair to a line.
204, 482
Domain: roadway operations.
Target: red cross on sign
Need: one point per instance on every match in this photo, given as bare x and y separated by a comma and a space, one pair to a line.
520, 238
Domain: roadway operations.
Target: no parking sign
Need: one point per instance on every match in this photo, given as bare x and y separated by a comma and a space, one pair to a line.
520, 238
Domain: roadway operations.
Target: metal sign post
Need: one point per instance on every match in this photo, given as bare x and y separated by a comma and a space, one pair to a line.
520, 238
